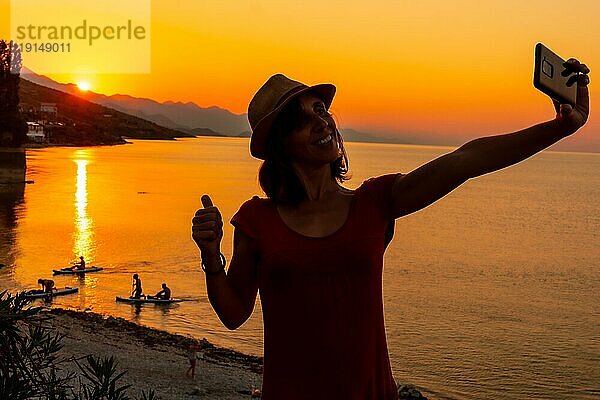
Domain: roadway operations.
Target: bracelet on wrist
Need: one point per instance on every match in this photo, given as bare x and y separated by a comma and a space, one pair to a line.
220, 270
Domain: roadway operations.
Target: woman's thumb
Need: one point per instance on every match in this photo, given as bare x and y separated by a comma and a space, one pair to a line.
566, 110
206, 201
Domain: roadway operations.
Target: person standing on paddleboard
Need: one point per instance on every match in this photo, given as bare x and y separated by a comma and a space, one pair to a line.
314, 249
136, 293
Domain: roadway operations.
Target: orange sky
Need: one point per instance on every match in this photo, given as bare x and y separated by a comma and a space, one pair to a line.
461, 68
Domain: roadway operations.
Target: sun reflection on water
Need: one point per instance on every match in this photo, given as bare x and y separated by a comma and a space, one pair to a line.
89, 281
83, 244
88, 295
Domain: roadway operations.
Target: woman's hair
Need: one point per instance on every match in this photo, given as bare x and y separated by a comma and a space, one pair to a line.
277, 176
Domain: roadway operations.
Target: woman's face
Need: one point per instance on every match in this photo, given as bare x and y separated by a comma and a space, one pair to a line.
314, 142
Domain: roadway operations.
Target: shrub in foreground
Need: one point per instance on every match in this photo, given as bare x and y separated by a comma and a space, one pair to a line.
31, 365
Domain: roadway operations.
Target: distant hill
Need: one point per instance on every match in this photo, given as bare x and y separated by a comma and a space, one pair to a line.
205, 132
191, 118
352, 135
87, 123
184, 117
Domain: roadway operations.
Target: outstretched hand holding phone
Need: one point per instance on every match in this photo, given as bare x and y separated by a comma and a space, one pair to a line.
573, 118
566, 84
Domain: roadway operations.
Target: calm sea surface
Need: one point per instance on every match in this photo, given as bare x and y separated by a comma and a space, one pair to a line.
491, 293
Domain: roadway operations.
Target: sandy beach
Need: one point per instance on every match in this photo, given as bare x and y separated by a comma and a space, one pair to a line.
156, 359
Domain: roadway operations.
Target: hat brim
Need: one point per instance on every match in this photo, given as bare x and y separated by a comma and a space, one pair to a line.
260, 133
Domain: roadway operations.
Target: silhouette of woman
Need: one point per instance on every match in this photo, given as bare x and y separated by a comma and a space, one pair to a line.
314, 249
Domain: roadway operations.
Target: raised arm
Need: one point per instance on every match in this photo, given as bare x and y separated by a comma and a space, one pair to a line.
432, 181
231, 294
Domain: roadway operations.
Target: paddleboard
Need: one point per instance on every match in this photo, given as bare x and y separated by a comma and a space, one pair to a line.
37, 294
76, 271
145, 300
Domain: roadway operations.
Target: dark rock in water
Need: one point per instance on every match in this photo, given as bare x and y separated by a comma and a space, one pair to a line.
409, 392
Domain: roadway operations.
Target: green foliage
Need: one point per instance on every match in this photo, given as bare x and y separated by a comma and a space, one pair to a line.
148, 396
31, 366
28, 353
102, 380
11, 121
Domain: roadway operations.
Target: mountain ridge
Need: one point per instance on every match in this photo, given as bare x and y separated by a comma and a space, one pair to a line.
187, 117
86, 123
216, 121
171, 114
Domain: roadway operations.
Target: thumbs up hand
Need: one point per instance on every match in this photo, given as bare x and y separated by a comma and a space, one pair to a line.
207, 229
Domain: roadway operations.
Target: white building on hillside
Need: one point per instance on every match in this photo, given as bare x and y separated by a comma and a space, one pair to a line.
48, 110
35, 133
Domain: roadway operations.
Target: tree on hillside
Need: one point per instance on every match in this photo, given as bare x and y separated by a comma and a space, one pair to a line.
13, 129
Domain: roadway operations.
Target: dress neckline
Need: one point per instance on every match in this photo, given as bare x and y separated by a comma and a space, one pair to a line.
337, 231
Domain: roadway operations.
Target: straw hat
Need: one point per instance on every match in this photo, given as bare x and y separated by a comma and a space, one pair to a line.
270, 99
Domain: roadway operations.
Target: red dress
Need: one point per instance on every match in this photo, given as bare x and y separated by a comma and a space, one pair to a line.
324, 332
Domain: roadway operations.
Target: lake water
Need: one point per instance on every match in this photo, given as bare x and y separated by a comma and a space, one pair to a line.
491, 293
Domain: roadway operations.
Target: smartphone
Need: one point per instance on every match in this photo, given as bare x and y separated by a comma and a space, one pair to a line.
548, 78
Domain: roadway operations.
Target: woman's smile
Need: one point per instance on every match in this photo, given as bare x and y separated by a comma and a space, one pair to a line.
326, 140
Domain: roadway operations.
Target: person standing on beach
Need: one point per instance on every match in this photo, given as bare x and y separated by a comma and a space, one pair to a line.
136, 293
191, 371
314, 249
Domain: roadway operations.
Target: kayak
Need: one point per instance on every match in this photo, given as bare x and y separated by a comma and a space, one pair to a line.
143, 300
38, 294
75, 271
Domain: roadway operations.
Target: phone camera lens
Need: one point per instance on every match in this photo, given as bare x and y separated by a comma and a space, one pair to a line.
547, 68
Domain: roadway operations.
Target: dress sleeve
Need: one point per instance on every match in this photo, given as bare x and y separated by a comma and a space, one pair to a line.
247, 218
378, 190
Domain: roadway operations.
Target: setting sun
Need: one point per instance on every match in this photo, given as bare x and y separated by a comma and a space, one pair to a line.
84, 86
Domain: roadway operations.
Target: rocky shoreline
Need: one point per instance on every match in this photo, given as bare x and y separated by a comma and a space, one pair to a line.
153, 337
157, 360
